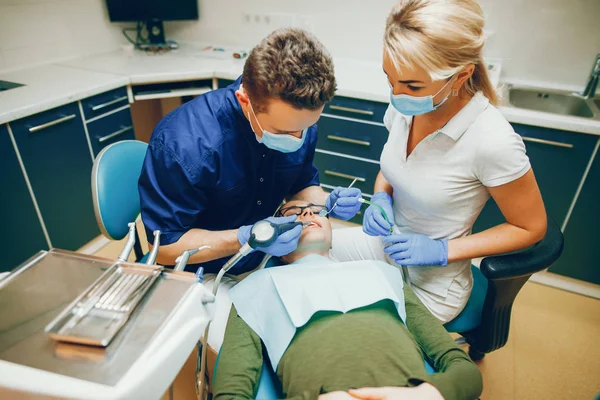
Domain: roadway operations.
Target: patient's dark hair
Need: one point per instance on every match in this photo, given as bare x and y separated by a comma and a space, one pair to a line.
292, 65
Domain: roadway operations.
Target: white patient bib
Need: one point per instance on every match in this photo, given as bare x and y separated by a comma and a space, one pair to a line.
274, 302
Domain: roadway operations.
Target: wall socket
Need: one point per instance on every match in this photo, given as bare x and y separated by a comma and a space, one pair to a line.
278, 20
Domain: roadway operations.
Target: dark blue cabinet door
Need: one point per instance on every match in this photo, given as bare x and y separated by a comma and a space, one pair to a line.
221, 83
57, 159
581, 255
110, 129
21, 235
558, 159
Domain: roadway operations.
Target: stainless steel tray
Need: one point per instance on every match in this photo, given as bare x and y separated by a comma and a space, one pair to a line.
38, 291
95, 317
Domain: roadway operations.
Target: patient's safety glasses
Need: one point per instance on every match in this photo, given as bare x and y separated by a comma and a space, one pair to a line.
299, 210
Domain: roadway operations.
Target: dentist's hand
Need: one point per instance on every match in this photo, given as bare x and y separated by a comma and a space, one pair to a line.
347, 202
374, 224
285, 243
417, 250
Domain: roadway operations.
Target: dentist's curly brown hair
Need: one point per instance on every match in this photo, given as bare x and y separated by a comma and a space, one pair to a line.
292, 65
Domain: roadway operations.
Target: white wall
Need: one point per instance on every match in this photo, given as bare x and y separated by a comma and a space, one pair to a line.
543, 40
40, 31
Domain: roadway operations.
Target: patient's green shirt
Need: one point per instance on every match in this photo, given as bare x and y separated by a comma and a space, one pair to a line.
366, 347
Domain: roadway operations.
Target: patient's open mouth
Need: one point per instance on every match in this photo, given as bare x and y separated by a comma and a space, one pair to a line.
310, 224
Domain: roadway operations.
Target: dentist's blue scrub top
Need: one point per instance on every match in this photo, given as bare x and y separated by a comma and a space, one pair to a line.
205, 169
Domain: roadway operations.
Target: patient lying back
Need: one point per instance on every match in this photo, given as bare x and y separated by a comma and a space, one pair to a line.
329, 327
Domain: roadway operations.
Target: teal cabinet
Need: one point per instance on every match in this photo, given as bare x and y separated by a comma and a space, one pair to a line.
21, 235
55, 152
110, 129
351, 139
581, 255
558, 159
221, 83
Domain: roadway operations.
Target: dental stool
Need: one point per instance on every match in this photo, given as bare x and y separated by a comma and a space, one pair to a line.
485, 320
115, 189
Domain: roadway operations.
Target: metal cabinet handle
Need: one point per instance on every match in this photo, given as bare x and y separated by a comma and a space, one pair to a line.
549, 142
114, 134
108, 103
345, 176
52, 123
347, 140
351, 110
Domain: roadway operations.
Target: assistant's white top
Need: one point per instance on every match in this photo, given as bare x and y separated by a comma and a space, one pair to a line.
441, 188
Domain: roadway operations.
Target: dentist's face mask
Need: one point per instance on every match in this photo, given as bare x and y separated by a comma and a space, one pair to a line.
413, 105
281, 142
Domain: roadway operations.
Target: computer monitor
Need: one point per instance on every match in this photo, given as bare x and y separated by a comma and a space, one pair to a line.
152, 13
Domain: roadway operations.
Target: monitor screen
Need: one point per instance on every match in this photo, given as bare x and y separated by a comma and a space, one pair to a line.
145, 10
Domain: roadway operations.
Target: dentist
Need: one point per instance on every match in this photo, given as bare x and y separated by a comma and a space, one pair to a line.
449, 149
227, 159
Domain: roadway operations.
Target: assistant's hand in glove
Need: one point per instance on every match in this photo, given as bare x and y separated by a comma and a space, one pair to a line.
374, 223
286, 243
417, 250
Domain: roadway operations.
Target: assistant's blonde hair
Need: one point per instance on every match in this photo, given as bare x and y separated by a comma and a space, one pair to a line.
442, 37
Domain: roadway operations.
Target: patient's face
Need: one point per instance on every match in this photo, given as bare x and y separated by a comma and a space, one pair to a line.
317, 235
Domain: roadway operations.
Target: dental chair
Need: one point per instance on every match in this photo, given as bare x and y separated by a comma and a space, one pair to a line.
484, 322
115, 189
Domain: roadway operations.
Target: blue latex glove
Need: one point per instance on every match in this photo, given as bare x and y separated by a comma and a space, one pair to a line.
415, 249
374, 224
285, 243
347, 202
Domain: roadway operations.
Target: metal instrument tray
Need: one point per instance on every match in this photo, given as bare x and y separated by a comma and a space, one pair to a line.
95, 317
38, 291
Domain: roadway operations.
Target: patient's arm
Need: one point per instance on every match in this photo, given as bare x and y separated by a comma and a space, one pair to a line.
240, 362
457, 376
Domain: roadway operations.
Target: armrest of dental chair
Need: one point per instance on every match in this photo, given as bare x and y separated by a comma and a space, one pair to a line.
506, 274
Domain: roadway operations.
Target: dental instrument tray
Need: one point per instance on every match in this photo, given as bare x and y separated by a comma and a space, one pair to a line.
97, 315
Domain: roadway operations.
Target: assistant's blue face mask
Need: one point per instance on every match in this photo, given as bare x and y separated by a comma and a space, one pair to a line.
280, 142
413, 105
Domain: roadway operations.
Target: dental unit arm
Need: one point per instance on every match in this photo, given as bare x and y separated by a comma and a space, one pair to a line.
155, 245
263, 234
130, 243
183, 259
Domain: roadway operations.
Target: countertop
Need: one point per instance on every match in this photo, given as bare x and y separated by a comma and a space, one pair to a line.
53, 85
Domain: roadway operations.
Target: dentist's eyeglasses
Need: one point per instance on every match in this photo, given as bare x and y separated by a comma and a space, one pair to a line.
298, 210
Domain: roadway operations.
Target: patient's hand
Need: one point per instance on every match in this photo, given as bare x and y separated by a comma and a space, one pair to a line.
339, 395
424, 391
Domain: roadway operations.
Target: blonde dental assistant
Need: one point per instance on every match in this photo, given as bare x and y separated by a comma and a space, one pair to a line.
449, 149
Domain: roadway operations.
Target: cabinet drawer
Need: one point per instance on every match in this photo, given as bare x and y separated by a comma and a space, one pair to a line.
221, 83
355, 108
341, 171
351, 137
55, 152
104, 102
559, 159
110, 129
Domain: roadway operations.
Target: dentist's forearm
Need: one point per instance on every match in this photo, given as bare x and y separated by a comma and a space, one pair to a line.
222, 243
499, 239
382, 185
